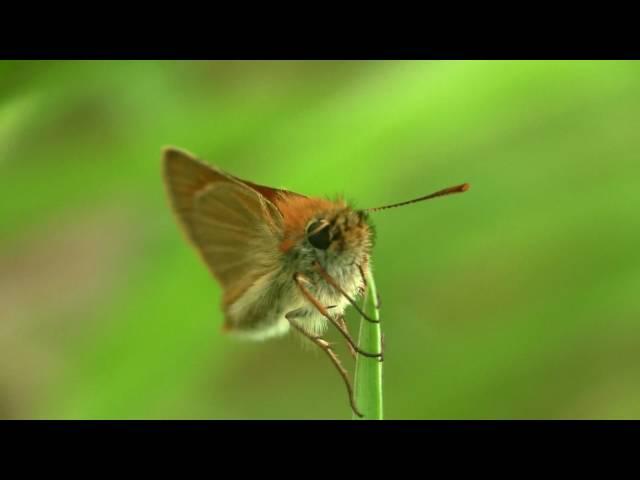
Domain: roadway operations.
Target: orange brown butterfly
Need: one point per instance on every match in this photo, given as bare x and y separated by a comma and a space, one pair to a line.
285, 261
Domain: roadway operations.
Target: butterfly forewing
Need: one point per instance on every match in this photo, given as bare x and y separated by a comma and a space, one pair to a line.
234, 227
235, 231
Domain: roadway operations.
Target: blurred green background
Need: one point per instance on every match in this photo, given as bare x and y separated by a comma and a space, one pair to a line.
518, 299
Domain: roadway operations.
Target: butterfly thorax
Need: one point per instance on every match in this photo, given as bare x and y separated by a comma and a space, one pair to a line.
330, 233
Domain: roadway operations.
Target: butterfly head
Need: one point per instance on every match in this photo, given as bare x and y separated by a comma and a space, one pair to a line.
339, 231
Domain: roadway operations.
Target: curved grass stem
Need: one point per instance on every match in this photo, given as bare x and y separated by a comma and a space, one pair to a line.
368, 372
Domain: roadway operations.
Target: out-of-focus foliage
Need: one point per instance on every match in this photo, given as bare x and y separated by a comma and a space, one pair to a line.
518, 299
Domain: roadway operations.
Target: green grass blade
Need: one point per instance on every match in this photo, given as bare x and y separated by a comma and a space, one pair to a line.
368, 373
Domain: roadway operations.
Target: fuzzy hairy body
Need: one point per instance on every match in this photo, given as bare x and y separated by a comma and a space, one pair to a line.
260, 312
255, 239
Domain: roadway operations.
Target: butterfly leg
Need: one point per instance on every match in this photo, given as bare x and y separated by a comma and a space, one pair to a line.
376, 305
324, 274
364, 282
363, 276
299, 279
324, 345
343, 324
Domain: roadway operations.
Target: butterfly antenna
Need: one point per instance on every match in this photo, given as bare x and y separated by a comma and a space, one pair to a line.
440, 193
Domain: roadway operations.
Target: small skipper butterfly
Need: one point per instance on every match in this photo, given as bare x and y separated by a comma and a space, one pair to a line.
284, 260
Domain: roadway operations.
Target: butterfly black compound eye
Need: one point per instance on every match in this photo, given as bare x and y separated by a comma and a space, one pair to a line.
318, 235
